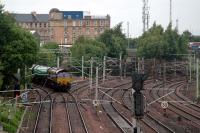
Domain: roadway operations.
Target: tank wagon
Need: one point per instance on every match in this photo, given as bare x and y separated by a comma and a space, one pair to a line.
56, 78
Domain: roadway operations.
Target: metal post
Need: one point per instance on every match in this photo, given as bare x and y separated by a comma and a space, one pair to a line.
128, 33
138, 125
82, 67
190, 59
133, 119
120, 65
25, 73
197, 76
104, 68
138, 65
96, 88
142, 65
91, 74
164, 74
175, 67
154, 69
58, 61
125, 69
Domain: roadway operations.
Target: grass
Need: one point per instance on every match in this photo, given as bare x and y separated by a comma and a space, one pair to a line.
10, 117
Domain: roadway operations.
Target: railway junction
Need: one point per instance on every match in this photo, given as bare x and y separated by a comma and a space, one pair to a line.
106, 103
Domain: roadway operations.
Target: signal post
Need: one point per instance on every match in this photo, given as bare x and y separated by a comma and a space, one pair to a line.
137, 85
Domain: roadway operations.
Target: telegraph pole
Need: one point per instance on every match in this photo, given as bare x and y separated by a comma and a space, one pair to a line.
197, 76
58, 61
128, 33
170, 13
82, 67
91, 74
145, 15
104, 68
96, 88
190, 60
120, 65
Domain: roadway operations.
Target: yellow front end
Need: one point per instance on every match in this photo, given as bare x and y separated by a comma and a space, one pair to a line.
64, 80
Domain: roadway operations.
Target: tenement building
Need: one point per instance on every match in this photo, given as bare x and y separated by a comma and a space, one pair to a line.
63, 27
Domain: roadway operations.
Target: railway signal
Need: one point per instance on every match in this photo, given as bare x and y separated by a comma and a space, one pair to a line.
137, 84
138, 104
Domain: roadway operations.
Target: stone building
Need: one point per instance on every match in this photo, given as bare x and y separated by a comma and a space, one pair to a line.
63, 27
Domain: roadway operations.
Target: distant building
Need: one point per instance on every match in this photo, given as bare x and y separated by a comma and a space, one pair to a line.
194, 46
63, 27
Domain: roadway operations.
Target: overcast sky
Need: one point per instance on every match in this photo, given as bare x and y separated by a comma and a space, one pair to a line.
186, 11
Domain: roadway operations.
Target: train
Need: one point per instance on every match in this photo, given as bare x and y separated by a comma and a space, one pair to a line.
52, 77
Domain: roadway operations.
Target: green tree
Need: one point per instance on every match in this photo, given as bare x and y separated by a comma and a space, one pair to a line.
48, 53
157, 43
151, 43
88, 48
18, 48
115, 41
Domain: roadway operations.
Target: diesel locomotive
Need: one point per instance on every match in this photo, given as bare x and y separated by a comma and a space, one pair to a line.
52, 77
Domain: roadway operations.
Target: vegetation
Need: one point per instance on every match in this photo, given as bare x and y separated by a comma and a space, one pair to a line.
88, 48
47, 54
115, 41
110, 43
10, 120
159, 43
18, 48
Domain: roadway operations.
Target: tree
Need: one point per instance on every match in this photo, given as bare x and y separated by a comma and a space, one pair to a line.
48, 53
18, 48
157, 43
115, 41
151, 43
88, 48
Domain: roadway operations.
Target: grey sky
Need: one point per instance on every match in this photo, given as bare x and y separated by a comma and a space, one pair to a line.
186, 11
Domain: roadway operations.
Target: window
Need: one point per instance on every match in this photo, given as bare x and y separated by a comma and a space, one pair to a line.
74, 23
80, 23
65, 40
95, 23
101, 30
40, 25
45, 25
101, 22
96, 31
87, 22
88, 31
65, 23
69, 16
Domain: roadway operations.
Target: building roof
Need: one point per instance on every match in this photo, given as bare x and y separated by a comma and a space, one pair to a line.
31, 17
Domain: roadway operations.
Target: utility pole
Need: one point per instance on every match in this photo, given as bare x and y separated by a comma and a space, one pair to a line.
190, 60
170, 12
91, 74
128, 33
96, 88
175, 67
197, 76
177, 25
138, 65
145, 15
104, 68
58, 61
142, 65
120, 65
82, 67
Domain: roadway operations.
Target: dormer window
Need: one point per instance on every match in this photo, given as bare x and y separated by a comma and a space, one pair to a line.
69, 16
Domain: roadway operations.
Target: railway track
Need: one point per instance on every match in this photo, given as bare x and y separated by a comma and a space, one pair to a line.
120, 121
174, 110
45, 111
76, 121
